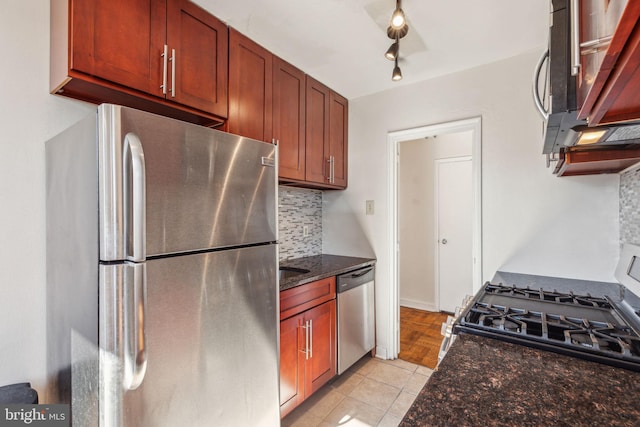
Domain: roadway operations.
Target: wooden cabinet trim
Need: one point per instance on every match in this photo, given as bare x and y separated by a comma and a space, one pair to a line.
301, 298
588, 162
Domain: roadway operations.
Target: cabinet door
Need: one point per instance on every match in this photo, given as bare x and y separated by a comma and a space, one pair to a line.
619, 99
338, 131
292, 361
250, 88
289, 118
120, 41
198, 50
321, 366
598, 22
317, 131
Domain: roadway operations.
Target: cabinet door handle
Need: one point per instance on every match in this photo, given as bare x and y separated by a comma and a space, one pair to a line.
311, 338
575, 37
306, 340
331, 177
173, 73
329, 174
596, 45
165, 55
333, 169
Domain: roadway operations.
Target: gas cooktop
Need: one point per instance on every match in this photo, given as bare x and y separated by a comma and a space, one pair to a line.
597, 328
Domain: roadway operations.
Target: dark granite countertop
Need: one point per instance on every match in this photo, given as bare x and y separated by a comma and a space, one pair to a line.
320, 267
483, 381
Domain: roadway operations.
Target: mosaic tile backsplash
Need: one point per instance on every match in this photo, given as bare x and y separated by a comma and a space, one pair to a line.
630, 207
299, 208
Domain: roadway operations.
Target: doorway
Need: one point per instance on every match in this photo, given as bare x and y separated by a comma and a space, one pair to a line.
473, 127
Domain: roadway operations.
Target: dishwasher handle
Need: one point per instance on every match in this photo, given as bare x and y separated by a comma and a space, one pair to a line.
355, 278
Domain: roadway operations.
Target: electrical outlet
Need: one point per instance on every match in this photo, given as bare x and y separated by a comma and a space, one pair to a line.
369, 207
305, 230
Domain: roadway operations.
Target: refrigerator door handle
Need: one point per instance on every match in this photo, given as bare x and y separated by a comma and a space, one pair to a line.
134, 198
135, 340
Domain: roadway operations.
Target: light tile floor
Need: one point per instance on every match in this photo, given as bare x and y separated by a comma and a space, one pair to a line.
373, 392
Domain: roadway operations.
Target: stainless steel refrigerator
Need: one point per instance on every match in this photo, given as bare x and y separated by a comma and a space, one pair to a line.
162, 297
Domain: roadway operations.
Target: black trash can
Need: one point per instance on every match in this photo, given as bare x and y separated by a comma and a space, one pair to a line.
18, 393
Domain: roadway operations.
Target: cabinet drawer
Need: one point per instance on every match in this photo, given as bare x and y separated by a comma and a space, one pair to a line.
301, 298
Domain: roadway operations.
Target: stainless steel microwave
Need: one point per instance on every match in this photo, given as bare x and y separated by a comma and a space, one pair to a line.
556, 98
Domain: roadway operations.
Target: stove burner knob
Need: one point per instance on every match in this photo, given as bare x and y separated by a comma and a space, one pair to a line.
467, 300
447, 327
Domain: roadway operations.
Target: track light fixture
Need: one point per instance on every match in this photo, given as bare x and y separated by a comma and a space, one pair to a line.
392, 52
397, 29
397, 74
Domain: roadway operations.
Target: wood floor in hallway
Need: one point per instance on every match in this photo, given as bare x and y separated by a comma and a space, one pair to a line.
420, 336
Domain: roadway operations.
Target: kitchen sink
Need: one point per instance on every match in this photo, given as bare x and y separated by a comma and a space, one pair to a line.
289, 272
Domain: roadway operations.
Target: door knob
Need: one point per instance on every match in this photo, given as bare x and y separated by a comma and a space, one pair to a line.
444, 241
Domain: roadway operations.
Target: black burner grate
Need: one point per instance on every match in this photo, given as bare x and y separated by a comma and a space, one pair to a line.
579, 324
540, 294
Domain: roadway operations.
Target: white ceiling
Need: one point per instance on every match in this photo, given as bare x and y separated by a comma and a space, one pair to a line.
342, 42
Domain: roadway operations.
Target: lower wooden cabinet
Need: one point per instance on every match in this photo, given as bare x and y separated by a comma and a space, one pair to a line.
307, 345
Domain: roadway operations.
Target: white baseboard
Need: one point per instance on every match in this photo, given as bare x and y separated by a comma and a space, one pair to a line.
381, 353
418, 305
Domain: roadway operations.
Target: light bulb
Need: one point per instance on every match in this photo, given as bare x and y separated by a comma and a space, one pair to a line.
397, 19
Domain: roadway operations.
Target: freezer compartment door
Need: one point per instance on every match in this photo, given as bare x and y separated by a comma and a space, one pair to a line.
170, 187
208, 351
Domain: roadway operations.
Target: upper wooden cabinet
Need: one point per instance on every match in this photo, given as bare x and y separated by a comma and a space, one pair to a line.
250, 88
164, 56
338, 136
609, 78
317, 134
326, 136
199, 48
289, 111
273, 101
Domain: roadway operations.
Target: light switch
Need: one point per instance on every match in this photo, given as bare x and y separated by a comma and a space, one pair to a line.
369, 207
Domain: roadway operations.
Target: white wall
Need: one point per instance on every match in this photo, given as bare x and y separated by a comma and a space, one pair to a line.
416, 213
28, 117
533, 222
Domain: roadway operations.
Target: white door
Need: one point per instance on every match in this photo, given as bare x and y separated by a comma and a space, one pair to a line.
454, 226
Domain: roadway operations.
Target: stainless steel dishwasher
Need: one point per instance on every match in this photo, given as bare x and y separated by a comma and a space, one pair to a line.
356, 316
